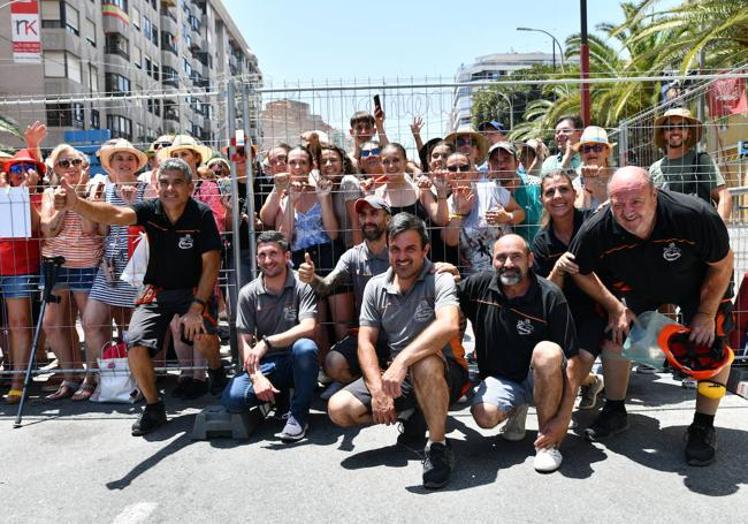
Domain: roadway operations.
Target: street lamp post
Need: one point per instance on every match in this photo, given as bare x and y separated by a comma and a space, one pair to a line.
555, 43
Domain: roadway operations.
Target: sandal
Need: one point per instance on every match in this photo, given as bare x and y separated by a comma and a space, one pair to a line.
13, 396
67, 389
84, 392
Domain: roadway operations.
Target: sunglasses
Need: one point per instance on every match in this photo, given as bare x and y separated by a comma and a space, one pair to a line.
66, 163
159, 145
370, 152
461, 167
597, 148
671, 127
464, 141
21, 168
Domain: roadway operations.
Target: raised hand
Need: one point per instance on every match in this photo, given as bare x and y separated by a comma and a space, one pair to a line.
282, 181
416, 125
324, 187
464, 199
65, 196
35, 134
295, 190
128, 192
306, 269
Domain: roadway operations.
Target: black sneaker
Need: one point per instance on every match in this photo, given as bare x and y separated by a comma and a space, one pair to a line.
183, 386
218, 380
196, 389
701, 445
412, 429
153, 416
437, 466
607, 424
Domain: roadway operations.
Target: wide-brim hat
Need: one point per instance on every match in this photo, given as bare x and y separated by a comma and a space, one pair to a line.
480, 140
23, 155
185, 142
695, 127
121, 146
594, 135
219, 160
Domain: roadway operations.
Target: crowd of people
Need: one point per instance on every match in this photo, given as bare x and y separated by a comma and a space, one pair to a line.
369, 265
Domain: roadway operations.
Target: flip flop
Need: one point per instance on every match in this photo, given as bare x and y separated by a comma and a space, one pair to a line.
67, 389
13, 396
84, 392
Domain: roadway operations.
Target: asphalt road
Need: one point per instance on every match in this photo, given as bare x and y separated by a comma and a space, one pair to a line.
75, 463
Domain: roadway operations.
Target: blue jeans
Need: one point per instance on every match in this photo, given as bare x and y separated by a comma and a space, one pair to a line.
296, 368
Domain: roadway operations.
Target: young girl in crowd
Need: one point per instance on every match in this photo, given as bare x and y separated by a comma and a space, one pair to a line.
80, 241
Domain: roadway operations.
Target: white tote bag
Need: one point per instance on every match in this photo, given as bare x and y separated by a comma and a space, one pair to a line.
137, 266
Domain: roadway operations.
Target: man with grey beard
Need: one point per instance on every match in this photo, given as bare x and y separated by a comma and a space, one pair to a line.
526, 346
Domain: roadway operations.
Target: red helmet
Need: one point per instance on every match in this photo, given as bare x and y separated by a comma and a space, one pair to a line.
695, 360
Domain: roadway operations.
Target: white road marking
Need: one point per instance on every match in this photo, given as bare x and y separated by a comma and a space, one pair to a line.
135, 513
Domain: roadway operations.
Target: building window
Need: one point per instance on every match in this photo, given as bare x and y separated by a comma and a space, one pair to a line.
139, 134
59, 115
79, 117
168, 43
72, 19
95, 119
170, 76
154, 106
187, 67
54, 64
51, 14
135, 17
93, 78
116, 44
122, 4
137, 58
89, 31
156, 75
116, 85
74, 67
120, 126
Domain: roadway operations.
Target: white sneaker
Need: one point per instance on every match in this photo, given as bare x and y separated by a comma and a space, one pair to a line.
514, 429
331, 390
547, 460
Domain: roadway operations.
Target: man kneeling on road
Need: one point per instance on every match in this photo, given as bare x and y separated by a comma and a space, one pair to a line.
527, 352
184, 259
276, 316
418, 313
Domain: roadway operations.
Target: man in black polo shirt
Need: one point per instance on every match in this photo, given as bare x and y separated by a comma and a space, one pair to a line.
651, 248
183, 264
526, 345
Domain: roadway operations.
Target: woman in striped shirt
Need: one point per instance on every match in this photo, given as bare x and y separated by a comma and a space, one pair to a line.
80, 241
110, 297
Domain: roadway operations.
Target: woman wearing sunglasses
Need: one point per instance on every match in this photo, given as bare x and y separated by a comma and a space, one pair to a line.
19, 267
480, 212
110, 298
592, 185
80, 241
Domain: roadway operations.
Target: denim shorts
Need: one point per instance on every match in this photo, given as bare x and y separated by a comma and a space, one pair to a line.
19, 286
504, 393
75, 280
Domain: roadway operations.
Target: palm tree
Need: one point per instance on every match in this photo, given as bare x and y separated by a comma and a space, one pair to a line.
9, 126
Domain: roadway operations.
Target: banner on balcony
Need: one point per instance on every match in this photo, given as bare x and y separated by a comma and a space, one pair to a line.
25, 32
726, 96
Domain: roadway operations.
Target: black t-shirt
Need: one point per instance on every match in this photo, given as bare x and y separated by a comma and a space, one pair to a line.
667, 268
547, 249
175, 250
507, 330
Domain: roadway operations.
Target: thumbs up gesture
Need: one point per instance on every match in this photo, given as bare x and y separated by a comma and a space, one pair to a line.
65, 196
306, 269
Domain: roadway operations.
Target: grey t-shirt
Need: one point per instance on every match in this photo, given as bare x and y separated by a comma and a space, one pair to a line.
692, 174
357, 266
401, 318
261, 313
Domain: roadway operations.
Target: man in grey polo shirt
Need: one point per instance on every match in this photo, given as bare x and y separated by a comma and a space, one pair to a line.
418, 313
276, 316
355, 267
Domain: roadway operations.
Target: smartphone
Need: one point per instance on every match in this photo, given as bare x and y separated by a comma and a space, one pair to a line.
377, 104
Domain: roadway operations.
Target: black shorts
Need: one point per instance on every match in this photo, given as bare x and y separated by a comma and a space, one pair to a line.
348, 347
456, 376
150, 320
590, 326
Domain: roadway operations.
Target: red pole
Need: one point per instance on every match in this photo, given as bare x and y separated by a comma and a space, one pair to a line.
585, 64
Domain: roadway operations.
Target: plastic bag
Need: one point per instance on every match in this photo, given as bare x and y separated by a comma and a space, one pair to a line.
116, 383
137, 266
641, 344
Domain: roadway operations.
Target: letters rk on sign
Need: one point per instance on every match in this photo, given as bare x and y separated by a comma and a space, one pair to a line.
25, 31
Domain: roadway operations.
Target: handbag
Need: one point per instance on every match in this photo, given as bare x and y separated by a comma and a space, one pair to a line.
116, 383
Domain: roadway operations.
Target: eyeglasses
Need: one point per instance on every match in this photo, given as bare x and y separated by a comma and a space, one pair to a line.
21, 168
370, 152
464, 141
159, 145
461, 167
66, 163
597, 148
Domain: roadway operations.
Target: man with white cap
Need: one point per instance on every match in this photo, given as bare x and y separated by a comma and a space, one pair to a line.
683, 168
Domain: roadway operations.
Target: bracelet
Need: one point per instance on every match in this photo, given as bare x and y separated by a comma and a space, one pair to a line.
203, 303
267, 343
458, 216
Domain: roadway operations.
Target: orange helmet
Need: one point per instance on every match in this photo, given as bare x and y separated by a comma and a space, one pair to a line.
695, 360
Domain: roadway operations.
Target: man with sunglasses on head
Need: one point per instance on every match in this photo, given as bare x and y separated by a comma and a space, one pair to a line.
568, 131
683, 168
503, 166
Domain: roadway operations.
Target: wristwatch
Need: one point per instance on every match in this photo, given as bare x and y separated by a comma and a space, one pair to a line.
267, 343
203, 303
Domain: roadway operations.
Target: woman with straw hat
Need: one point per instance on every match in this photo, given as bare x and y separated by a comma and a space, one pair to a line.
110, 298
595, 172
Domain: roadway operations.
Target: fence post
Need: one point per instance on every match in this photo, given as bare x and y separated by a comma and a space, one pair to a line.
233, 290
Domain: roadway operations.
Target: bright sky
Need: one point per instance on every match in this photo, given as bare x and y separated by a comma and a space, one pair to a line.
339, 39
